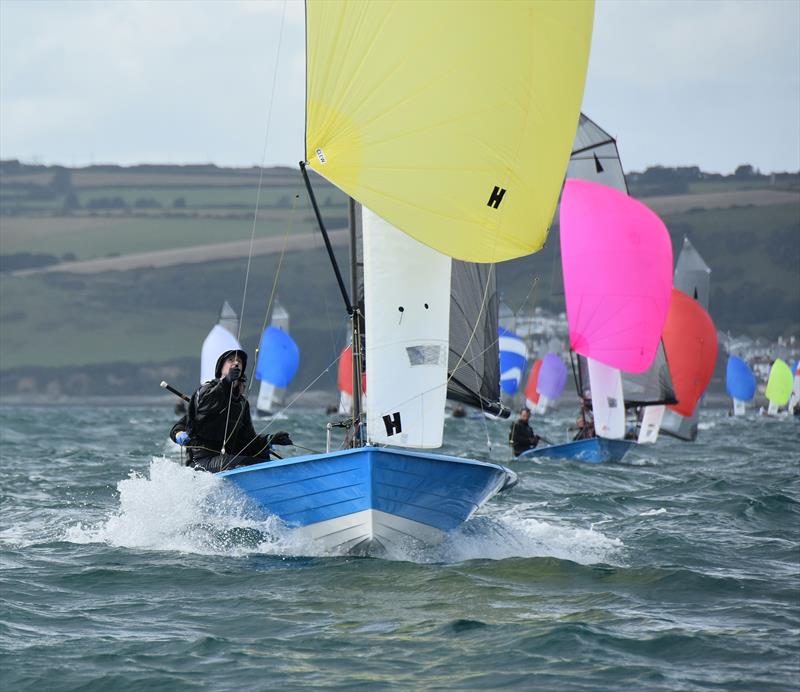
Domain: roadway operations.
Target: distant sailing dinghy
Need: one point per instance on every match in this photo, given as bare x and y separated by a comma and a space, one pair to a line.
531, 391
779, 386
513, 359
690, 341
278, 360
617, 261
740, 384
451, 155
550, 382
221, 338
692, 277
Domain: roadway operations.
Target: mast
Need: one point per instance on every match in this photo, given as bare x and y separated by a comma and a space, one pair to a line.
350, 305
355, 324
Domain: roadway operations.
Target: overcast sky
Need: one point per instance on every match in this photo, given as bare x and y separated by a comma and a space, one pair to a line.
712, 83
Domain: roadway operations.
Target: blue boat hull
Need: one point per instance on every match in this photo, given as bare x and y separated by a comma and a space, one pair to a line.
367, 499
594, 450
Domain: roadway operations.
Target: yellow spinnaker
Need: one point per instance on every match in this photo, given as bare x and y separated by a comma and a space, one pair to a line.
451, 120
779, 384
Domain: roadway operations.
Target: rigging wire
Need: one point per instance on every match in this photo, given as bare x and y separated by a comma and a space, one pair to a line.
265, 428
274, 290
261, 167
256, 209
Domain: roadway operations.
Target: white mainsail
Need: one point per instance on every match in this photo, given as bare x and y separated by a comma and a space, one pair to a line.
608, 405
407, 313
221, 338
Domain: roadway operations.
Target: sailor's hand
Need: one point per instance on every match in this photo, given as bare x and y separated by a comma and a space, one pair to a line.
281, 438
233, 375
182, 438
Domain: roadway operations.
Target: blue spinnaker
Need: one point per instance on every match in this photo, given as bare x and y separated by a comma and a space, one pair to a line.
739, 380
513, 356
278, 357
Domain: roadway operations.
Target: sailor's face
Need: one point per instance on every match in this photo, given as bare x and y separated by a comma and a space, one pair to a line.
230, 363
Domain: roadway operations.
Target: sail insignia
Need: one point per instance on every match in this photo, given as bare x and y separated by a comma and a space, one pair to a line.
496, 197
393, 424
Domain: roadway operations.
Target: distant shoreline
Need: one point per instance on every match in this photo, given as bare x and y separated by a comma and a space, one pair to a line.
317, 399
310, 400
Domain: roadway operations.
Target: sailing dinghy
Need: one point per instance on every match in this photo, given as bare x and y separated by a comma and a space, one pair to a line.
617, 261
740, 383
430, 116
692, 277
779, 386
277, 362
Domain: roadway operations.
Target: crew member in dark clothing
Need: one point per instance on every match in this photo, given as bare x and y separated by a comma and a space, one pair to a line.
217, 429
522, 437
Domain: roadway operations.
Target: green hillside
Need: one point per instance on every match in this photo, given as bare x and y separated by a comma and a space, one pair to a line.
116, 331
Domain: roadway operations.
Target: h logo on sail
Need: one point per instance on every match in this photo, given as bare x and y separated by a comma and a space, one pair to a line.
392, 424
496, 197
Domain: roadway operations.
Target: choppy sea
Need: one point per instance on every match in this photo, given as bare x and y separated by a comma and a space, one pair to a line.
676, 569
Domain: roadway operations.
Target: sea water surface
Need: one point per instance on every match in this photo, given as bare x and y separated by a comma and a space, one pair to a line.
676, 569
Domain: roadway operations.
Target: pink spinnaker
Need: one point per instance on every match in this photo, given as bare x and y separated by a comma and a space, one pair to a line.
617, 260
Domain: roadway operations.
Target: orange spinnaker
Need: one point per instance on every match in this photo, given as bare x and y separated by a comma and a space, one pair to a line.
690, 342
344, 379
530, 389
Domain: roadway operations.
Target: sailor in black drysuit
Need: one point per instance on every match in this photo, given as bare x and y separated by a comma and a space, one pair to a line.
521, 437
219, 418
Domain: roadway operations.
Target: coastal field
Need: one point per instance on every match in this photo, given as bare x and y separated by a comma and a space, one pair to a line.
102, 268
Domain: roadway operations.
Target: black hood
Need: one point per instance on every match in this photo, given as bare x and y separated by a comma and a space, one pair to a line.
225, 356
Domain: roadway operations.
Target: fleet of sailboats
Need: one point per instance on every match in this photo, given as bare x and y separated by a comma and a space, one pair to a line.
434, 127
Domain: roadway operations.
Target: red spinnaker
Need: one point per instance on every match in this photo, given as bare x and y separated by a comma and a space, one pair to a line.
690, 342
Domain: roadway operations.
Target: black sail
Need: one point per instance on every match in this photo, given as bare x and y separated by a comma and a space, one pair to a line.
474, 359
